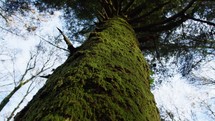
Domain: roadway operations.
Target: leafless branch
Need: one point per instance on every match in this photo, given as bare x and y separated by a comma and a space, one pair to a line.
53, 44
29, 90
208, 107
31, 64
202, 21
3, 17
14, 33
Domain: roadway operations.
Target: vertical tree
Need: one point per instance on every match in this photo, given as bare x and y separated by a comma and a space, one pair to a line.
107, 78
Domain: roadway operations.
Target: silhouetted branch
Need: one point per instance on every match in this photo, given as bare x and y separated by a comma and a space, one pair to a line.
3, 17
120, 6
53, 44
160, 25
152, 28
71, 48
24, 97
107, 7
209, 107
130, 3
31, 64
179, 14
101, 16
199, 20
11, 32
136, 11
140, 18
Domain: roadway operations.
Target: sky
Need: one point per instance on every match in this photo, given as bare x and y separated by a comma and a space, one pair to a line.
183, 99
175, 95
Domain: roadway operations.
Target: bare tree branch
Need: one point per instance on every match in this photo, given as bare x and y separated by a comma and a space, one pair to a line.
53, 44
24, 97
199, 20
31, 64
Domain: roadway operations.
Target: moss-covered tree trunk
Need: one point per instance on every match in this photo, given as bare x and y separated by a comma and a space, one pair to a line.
106, 79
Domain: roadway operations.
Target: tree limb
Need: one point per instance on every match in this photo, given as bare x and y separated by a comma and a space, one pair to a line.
160, 28
139, 19
172, 18
53, 44
136, 11
71, 48
199, 20
124, 10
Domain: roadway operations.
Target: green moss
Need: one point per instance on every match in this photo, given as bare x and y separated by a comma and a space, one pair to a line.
106, 79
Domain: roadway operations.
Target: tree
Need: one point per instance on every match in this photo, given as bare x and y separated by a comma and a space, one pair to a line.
42, 57
107, 77
30, 68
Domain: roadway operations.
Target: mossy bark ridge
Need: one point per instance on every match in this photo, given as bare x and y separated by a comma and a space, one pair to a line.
106, 79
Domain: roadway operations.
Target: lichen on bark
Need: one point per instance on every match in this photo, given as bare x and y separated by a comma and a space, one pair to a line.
107, 78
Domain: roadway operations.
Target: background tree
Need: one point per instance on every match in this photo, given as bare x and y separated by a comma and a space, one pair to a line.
41, 57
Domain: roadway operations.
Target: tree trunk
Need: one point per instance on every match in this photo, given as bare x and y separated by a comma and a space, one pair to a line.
106, 79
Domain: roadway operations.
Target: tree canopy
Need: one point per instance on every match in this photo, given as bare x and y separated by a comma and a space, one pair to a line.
164, 27
180, 28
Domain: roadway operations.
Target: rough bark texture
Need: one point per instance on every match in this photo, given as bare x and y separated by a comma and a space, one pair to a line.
106, 79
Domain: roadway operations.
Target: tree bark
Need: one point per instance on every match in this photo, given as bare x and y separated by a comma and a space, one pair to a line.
106, 79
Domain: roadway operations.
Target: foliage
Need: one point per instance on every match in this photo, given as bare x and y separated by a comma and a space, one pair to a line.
164, 28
